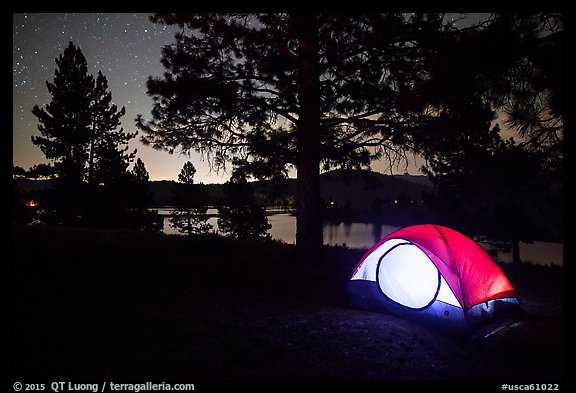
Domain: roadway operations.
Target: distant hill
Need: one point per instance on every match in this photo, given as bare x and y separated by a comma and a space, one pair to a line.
162, 192
420, 179
355, 189
352, 187
27, 185
363, 190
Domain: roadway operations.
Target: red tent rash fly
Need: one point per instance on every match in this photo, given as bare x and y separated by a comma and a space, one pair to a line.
434, 274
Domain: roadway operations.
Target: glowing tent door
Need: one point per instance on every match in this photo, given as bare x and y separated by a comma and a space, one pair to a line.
407, 276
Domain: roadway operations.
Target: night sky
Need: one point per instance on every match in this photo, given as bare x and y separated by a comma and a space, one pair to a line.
127, 49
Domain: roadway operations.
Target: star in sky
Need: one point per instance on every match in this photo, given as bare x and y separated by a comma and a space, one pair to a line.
126, 47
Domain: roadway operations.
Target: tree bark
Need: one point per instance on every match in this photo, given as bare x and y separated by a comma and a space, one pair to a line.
309, 237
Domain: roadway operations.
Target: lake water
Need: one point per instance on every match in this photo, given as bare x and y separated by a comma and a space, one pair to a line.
363, 236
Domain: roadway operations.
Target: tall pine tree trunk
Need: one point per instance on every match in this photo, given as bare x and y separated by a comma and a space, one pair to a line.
309, 239
309, 236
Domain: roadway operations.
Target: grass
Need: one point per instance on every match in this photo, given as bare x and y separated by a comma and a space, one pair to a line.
101, 305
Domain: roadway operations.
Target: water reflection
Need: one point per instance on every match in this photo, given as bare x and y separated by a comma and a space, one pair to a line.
355, 234
364, 235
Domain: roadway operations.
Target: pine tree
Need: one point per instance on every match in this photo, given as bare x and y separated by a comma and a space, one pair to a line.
189, 199
79, 133
108, 176
65, 132
140, 196
140, 200
282, 90
240, 216
504, 188
109, 159
65, 123
140, 173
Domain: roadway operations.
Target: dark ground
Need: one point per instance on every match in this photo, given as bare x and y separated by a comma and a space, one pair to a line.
123, 306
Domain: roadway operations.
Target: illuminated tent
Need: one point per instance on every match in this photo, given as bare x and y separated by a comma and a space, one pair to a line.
435, 274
